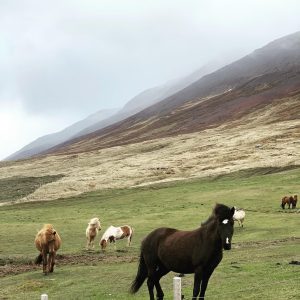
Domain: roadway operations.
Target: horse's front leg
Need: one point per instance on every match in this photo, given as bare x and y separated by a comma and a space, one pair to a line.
51, 261
92, 242
88, 243
197, 282
206, 275
128, 241
44, 253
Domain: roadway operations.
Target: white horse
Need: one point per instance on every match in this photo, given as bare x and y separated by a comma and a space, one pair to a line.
91, 232
113, 233
239, 216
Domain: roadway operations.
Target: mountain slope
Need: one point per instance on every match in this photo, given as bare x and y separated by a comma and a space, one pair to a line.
249, 84
105, 118
152, 96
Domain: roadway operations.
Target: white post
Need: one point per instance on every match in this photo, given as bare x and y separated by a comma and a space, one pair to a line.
44, 297
177, 288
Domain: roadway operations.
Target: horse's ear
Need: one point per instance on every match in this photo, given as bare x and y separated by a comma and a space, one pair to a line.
232, 211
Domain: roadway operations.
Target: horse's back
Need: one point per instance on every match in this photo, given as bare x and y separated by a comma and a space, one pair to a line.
42, 242
156, 236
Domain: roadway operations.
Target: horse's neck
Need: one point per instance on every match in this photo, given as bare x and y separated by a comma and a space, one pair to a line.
210, 233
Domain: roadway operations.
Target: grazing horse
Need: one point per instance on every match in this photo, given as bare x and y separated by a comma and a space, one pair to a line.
289, 201
239, 216
113, 233
198, 251
47, 241
91, 232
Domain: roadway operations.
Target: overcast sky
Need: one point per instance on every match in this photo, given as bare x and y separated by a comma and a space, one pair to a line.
63, 60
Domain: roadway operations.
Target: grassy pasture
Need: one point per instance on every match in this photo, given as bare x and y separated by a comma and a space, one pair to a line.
256, 268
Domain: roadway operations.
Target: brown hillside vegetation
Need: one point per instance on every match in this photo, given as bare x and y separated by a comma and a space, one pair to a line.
267, 136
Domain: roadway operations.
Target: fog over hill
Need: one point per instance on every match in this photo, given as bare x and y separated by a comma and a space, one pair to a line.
50, 140
105, 118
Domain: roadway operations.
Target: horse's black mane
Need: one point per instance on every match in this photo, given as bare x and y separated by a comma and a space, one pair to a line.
220, 211
208, 221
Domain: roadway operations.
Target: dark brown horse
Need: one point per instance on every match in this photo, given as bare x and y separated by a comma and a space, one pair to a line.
289, 201
186, 252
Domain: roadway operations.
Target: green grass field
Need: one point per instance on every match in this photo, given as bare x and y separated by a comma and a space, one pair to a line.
256, 268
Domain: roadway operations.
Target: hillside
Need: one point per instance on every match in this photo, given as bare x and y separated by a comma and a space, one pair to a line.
151, 96
265, 138
253, 82
254, 123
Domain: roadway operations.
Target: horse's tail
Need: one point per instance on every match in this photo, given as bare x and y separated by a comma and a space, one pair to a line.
141, 276
38, 259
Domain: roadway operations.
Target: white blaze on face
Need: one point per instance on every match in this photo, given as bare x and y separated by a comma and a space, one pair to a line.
227, 240
225, 221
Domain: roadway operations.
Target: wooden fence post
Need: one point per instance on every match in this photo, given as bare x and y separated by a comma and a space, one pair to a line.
177, 288
44, 297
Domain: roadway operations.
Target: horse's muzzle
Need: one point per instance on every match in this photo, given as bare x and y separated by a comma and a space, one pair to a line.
227, 246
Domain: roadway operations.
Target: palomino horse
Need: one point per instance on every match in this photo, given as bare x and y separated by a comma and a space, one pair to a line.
113, 233
47, 241
91, 232
289, 201
198, 251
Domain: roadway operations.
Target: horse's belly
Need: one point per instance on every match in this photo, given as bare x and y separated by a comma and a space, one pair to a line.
177, 263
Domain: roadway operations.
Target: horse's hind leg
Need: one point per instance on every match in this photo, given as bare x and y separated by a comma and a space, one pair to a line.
150, 284
153, 280
160, 272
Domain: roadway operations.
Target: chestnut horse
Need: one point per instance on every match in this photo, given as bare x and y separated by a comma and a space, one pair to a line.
47, 241
113, 233
198, 251
289, 201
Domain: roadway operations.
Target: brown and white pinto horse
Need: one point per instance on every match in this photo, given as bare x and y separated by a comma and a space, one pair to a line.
289, 201
113, 233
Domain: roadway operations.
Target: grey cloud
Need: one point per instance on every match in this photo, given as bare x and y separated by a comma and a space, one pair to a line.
81, 56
